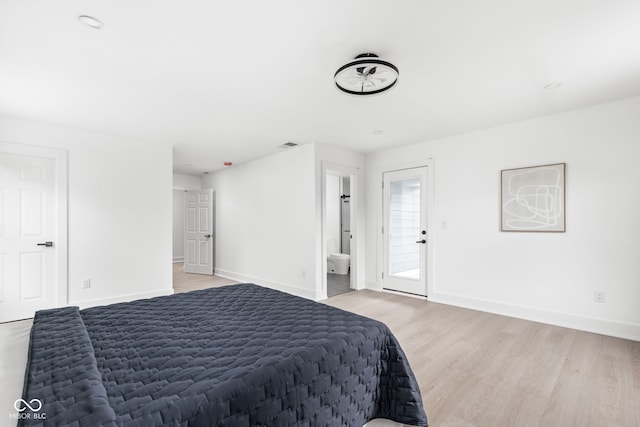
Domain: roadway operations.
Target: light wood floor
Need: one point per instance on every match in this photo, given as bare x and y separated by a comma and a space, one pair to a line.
185, 282
480, 369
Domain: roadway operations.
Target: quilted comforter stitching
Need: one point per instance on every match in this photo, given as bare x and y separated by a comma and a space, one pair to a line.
240, 355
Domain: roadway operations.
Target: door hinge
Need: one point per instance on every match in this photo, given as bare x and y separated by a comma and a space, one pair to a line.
383, 274
383, 230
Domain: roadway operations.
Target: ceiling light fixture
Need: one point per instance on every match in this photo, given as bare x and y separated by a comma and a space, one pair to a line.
553, 85
90, 21
366, 75
377, 132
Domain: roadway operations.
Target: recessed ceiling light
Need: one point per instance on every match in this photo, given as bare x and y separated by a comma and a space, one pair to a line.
90, 21
377, 132
553, 85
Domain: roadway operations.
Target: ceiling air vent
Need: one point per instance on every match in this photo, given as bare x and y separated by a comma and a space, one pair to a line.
288, 145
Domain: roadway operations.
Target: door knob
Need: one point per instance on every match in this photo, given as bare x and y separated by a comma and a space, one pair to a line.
421, 241
207, 236
47, 244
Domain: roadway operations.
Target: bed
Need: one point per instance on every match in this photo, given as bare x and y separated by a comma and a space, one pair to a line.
239, 355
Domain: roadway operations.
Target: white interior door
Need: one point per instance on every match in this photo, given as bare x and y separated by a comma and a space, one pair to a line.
29, 245
198, 232
405, 231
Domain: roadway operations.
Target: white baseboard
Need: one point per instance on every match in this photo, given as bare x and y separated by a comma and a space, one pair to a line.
178, 259
374, 286
284, 287
124, 298
589, 324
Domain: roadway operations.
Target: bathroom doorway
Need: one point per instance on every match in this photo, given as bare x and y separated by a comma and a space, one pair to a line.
338, 234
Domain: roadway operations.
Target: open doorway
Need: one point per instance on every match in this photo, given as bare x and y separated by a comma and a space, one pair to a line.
339, 229
338, 234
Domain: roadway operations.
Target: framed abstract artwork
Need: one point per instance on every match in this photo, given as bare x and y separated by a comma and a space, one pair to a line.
533, 199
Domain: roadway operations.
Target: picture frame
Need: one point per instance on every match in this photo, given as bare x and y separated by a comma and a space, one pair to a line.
532, 199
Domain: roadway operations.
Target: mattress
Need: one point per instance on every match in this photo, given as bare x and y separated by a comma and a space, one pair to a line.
239, 355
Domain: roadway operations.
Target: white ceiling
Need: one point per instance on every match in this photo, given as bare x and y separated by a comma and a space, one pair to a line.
230, 81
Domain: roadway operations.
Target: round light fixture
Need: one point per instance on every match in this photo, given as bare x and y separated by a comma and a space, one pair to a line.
366, 75
90, 21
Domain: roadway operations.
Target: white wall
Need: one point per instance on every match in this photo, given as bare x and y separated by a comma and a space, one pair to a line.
178, 225
269, 218
186, 182
345, 215
265, 221
332, 198
181, 183
540, 276
119, 211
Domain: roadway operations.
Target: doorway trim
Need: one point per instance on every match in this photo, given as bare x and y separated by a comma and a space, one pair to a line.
353, 173
59, 156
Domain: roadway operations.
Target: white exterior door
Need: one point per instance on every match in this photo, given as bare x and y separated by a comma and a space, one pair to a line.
198, 232
405, 231
32, 246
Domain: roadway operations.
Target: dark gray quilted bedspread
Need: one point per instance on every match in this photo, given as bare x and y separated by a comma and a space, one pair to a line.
239, 355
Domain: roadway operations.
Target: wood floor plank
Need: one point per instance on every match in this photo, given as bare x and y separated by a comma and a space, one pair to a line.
610, 401
541, 363
572, 397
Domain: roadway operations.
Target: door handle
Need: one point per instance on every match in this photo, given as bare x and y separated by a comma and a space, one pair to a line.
207, 236
421, 241
47, 244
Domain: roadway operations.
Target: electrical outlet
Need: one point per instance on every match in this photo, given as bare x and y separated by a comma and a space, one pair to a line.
86, 283
598, 296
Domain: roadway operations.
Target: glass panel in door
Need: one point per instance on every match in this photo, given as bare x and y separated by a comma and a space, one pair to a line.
404, 223
405, 231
